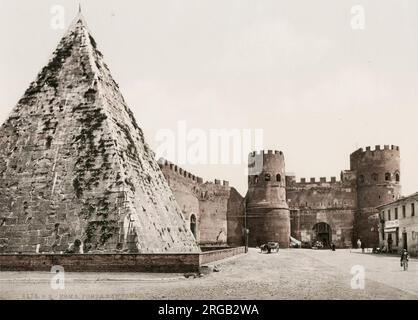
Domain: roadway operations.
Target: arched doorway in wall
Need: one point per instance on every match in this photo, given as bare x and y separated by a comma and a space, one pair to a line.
193, 225
322, 232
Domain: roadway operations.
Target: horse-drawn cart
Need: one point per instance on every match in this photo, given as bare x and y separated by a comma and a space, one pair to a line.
269, 247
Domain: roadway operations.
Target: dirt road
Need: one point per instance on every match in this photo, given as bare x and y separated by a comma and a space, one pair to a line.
290, 274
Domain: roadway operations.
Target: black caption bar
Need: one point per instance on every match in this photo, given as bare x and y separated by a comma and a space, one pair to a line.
219, 309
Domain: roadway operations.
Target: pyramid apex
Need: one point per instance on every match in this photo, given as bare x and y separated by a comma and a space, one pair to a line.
79, 16
78, 19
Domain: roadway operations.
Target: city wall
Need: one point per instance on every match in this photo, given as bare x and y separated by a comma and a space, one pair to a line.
217, 208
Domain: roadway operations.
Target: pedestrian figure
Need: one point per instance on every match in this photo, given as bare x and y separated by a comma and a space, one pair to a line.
363, 246
404, 259
390, 245
333, 246
358, 244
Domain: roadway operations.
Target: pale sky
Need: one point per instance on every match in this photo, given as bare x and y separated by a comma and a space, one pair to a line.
295, 69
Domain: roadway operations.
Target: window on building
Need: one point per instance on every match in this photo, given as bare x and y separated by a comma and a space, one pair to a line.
396, 213
387, 176
278, 177
361, 178
397, 177
412, 209
375, 177
267, 177
403, 212
389, 215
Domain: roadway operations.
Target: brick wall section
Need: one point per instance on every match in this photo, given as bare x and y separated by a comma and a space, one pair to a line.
216, 255
235, 219
186, 191
103, 263
172, 263
213, 214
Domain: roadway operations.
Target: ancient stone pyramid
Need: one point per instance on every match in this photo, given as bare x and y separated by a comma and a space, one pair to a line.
75, 172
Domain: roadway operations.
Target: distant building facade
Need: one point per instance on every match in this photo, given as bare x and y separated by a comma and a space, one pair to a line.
398, 228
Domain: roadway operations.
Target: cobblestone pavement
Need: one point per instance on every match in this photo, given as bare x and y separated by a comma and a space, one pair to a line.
290, 274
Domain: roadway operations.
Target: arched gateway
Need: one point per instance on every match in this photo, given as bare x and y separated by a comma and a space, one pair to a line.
322, 232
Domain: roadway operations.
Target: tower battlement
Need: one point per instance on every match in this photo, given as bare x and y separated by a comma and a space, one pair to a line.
371, 151
380, 160
167, 165
223, 183
328, 180
265, 152
269, 161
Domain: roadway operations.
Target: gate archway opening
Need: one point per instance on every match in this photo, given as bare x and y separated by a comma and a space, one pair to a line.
322, 232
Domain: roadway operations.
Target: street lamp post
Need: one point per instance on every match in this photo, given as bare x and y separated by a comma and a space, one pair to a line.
247, 231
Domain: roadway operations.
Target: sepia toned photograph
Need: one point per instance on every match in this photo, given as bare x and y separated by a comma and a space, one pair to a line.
228, 152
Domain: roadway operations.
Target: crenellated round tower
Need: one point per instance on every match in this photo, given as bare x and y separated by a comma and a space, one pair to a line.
267, 211
378, 182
